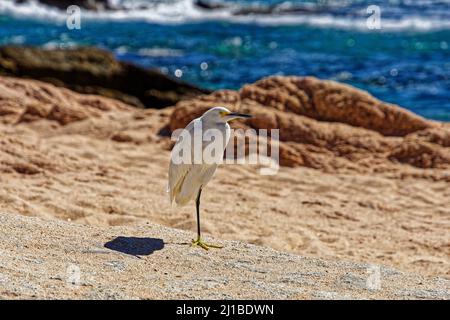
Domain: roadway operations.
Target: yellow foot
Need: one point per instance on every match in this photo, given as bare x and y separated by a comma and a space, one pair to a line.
199, 242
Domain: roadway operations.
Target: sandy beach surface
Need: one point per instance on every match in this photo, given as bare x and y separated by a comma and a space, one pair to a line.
94, 161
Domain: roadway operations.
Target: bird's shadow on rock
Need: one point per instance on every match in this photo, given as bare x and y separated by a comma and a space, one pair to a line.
135, 246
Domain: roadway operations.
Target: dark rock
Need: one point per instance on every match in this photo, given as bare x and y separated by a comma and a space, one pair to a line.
210, 5
261, 9
95, 71
85, 4
102, 5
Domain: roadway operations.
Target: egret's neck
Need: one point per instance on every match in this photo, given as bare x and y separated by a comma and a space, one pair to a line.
221, 124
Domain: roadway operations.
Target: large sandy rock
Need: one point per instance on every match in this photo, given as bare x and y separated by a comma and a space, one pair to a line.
66, 260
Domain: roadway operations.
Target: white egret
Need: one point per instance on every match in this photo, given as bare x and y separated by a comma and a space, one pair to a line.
189, 175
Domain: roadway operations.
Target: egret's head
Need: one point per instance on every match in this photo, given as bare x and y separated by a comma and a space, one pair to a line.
221, 114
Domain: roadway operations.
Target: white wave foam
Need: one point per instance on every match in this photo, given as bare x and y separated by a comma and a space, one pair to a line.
184, 11
160, 52
31, 9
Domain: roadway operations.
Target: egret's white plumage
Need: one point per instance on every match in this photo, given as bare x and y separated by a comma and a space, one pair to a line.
186, 179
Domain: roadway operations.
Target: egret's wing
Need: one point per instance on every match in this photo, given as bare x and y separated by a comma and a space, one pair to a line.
177, 174
179, 171
197, 177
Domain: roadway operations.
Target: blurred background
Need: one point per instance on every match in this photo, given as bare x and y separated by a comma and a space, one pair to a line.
403, 57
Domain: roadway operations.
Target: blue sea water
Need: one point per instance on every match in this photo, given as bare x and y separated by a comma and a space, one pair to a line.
406, 62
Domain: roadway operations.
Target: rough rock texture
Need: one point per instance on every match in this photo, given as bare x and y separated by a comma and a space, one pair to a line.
110, 168
66, 260
330, 126
92, 70
27, 101
332, 101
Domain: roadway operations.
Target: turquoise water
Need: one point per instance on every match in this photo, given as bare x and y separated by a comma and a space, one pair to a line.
406, 62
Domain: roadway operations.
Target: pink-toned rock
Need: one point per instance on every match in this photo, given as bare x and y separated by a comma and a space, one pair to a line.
327, 125
29, 100
332, 101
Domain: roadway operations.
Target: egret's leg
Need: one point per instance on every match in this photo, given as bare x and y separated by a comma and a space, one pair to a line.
197, 208
199, 242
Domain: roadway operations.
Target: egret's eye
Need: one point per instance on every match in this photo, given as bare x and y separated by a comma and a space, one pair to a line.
223, 113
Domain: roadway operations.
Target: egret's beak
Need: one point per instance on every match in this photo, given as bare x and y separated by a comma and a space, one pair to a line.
236, 115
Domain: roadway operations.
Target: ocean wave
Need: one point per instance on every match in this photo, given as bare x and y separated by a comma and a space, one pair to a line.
185, 11
160, 52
